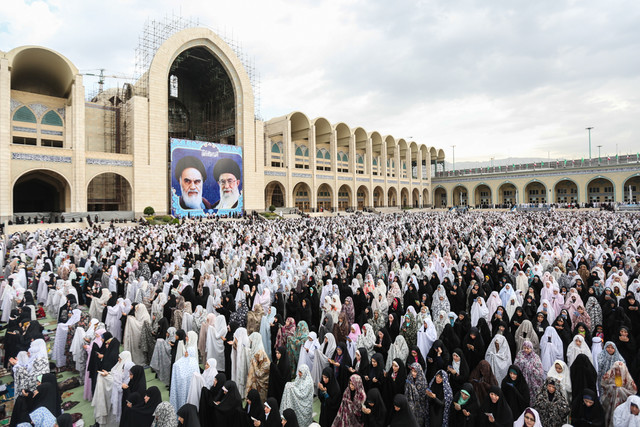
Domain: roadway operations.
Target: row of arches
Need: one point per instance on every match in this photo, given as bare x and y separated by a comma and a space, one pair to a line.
565, 191
46, 191
297, 142
324, 198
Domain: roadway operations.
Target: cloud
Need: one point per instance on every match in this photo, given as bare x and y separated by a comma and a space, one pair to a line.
494, 78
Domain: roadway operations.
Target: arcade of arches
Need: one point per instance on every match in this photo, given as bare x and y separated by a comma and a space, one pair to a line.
41, 191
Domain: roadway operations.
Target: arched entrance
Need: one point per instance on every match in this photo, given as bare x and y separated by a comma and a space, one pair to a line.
566, 191
507, 194
302, 197
482, 196
440, 197
362, 197
41, 191
325, 196
405, 198
392, 197
378, 197
631, 190
108, 192
344, 197
460, 196
600, 190
201, 98
535, 192
416, 198
274, 195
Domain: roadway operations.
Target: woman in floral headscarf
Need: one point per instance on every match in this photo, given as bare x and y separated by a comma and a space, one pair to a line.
617, 386
439, 398
531, 366
416, 392
285, 332
551, 404
298, 395
295, 342
350, 411
165, 415
349, 310
607, 357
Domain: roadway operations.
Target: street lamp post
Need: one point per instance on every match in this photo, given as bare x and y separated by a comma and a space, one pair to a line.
454, 158
599, 146
589, 129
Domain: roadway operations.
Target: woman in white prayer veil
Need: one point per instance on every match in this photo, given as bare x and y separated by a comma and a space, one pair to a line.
546, 308
308, 351
133, 334
479, 310
442, 318
426, 335
199, 380
101, 402
214, 300
399, 349
265, 329
322, 356
499, 357
560, 371
191, 341
98, 304
492, 303
113, 321
576, 347
240, 359
550, 348
43, 289
120, 377
215, 340
61, 338
187, 320
522, 282
381, 305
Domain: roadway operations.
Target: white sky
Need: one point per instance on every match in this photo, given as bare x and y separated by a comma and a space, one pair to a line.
496, 78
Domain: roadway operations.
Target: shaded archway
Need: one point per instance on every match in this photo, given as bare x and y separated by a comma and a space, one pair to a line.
274, 195
378, 197
404, 198
392, 197
344, 197
631, 189
108, 192
440, 197
460, 196
202, 102
302, 197
415, 198
535, 192
565, 191
601, 190
507, 194
325, 197
41, 191
482, 196
362, 197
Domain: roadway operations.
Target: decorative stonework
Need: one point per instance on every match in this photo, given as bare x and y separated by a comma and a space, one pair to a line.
40, 158
61, 111
301, 175
363, 179
110, 162
379, 180
406, 183
344, 178
15, 104
275, 173
39, 109
51, 132
324, 176
23, 129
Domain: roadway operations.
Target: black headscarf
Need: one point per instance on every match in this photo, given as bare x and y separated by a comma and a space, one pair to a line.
256, 410
583, 374
290, 416
142, 415
46, 397
500, 410
229, 404
111, 351
516, 393
329, 402
137, 383
64, 420
273, 420
189, 414
208, 396
378, 413
583, 415
279, 374
402, 417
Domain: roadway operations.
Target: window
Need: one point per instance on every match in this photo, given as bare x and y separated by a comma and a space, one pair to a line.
52, 119
608, 189
51, 143
24, 115
173, 86
22, 140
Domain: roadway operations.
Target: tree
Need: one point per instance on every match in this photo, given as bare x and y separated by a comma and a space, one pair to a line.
149, 211
272, 208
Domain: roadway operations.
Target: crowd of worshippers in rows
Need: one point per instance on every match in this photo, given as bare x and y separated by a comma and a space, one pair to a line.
480, 319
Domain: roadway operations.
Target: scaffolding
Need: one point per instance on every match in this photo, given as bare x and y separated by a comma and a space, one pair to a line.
156, 32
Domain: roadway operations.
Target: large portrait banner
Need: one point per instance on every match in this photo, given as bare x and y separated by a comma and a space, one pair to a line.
206, 178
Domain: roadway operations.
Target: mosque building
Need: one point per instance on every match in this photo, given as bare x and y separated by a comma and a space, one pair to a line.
119, 152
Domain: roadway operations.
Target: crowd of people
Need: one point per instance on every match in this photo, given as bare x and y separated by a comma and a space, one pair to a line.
412, 320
